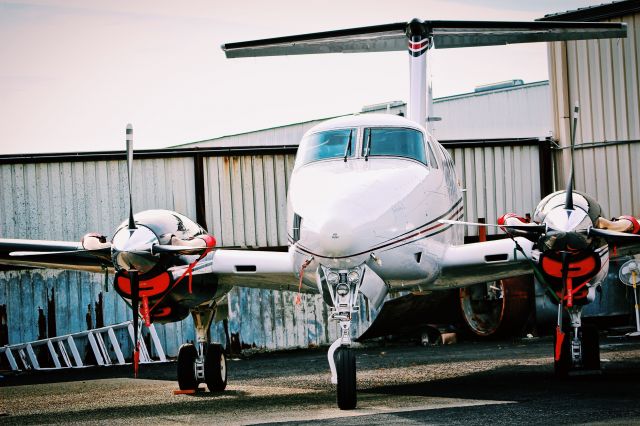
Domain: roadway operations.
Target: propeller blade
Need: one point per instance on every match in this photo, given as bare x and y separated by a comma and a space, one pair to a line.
45, 253
135, 302
616, 236
163, 248
132, 224
568, 204
530, 228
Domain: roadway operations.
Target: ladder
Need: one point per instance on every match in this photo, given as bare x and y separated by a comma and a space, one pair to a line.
57, 346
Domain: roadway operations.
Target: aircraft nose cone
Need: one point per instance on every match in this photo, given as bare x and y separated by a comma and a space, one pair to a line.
336, 237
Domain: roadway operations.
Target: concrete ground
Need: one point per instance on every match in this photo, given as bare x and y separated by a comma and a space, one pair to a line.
466, 383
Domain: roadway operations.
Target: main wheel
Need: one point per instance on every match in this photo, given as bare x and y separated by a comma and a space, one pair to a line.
562, 366
497, 308
215, 369
186, 367
590, 348
346, 369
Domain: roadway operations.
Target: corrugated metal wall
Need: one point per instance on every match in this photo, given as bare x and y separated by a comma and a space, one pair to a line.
603, 76
63, 201
498, 180
516, 112
245, 206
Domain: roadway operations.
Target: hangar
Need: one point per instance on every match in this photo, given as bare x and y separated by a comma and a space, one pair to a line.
236, 187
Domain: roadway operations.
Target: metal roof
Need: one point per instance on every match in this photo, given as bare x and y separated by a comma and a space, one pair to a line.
596, 13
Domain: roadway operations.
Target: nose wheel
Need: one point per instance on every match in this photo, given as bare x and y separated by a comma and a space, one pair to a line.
346, 375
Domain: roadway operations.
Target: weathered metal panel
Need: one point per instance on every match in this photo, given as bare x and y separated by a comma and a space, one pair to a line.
517, 112
603, 76
63, 201
497, 180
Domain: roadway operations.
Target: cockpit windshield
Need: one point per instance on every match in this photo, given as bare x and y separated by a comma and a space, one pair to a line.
394, 142
339, 143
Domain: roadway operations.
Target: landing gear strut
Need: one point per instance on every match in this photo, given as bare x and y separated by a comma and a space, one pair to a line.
579, 350
203, 362
342, 358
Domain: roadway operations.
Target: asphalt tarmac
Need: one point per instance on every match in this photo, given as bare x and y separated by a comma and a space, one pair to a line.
466, 383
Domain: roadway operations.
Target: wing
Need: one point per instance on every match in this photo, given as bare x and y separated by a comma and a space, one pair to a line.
249, 268
446, 34
487, 261
59, 255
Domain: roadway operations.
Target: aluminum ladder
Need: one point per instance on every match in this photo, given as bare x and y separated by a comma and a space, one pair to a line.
96, 337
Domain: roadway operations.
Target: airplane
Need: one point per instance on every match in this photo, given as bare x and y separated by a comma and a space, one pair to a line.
374, 207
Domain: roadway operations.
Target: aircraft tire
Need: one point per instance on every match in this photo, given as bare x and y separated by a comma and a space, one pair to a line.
215, 368
497, 317
346, 370
562, 367
590, 348
186, 367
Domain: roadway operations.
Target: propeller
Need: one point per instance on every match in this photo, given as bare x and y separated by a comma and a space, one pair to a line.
614, 236
45, 253
135, 303
540, 229
568, 204
132, 224
185, 250
133, 273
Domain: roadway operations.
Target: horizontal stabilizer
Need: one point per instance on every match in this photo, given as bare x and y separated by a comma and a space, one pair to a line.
446, 34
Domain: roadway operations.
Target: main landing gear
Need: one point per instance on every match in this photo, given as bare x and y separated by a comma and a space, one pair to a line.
203, 362
577, 351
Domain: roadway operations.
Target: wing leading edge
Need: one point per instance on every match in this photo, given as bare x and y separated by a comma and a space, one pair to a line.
487, 261
445, 34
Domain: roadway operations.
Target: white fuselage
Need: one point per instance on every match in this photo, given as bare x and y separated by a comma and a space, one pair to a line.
381, 211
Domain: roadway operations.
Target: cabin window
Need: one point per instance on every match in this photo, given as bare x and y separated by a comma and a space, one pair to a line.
339, 143
394, 142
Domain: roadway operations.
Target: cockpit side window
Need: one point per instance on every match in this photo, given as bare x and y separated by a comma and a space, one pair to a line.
432, 157
394, 142
329, 144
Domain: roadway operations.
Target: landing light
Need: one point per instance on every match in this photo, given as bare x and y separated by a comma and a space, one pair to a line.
353, 277
333, 278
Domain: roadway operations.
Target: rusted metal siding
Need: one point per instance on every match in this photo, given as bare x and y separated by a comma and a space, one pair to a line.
603, 76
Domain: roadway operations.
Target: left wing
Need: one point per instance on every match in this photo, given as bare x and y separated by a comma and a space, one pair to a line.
251, 268
486, 261
247, 268
70, 255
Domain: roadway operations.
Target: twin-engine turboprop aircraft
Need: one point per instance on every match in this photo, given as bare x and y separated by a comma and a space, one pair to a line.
373, 205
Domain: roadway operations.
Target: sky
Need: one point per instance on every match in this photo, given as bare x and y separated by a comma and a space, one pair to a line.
73, 73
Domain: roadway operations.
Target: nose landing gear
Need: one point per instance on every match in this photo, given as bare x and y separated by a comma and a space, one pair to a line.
579, 351
342, 358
